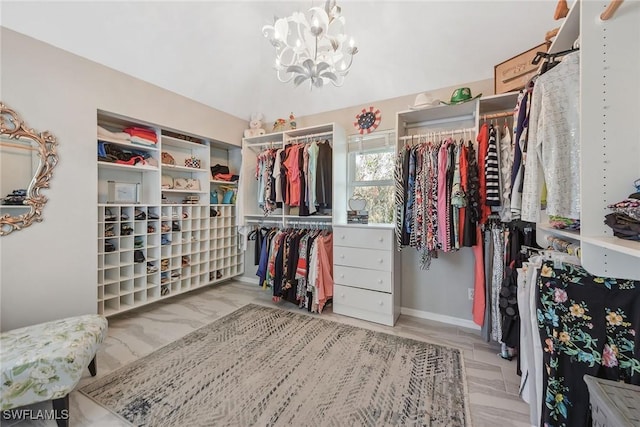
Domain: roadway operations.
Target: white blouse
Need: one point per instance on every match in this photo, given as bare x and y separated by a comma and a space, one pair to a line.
553, 153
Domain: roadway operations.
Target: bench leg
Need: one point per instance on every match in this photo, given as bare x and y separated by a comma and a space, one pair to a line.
61, 408
92, 367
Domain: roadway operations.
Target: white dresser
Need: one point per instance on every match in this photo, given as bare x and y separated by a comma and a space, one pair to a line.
366, 270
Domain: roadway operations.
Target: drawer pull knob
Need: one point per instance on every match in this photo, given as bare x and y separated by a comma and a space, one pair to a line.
342, 256
380, 281
381, 239
380, 260
342, 236
380, 303
342, 275
342, 295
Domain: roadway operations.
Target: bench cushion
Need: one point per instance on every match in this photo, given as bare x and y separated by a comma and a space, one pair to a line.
46, 361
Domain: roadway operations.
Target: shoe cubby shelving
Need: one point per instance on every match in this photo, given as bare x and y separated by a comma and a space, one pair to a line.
162, 246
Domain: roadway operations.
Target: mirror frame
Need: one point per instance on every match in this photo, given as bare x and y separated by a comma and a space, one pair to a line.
13, 127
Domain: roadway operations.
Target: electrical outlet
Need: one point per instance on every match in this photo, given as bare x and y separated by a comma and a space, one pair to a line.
470, 293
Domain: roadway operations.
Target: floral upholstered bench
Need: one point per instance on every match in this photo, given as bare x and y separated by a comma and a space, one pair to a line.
45, 361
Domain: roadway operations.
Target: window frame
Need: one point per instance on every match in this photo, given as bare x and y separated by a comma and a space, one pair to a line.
353, 184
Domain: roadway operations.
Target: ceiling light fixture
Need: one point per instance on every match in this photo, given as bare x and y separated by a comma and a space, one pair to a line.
312, 46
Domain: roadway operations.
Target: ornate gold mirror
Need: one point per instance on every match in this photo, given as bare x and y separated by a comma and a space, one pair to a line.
27, 160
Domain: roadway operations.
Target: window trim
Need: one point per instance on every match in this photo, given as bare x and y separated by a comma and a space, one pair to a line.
352, 183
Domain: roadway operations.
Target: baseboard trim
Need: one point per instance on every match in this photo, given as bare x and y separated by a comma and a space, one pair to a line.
439, 318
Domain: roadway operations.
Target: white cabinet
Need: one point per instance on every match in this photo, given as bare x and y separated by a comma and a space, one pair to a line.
366, 269
173, 240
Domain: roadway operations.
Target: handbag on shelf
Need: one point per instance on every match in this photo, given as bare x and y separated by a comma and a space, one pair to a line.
167, 182
192, 162
167, 159
191, 184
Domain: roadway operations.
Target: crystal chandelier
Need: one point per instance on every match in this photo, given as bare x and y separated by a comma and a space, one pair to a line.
312, 46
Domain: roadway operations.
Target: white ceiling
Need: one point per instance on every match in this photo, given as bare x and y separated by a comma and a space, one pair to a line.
214, 51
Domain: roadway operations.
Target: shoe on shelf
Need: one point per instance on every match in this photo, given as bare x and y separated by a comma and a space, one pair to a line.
108, 216
175, 274
138, 256
165, 228
218, 274
153, 215
124, 217
138, 243
108, 231
164, 290
175, 226
109, 246
186, 261
151, 268
140, 215
165, 241
126, 230
151, 228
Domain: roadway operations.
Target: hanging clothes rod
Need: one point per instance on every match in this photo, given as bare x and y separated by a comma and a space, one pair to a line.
309, 223
263, 144
328, 134
263, 221
611, 10
486, 117
438, 132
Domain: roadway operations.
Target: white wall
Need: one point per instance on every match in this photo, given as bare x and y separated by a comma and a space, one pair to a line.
443, 289
48, 271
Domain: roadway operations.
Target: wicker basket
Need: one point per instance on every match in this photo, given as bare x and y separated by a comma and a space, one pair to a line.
613, 404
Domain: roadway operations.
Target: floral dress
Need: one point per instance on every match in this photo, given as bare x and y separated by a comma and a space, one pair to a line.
588, 326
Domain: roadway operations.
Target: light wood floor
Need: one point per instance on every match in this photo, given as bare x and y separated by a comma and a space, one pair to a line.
492, 381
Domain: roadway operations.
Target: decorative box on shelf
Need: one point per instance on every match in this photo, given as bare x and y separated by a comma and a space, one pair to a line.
123, 192
192, 162
514, 73
357, 217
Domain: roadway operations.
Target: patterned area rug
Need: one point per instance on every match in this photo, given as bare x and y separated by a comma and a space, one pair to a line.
266, 366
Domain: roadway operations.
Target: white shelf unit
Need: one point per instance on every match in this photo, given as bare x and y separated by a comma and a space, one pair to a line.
610, 142
252, 147
182, 150
198, 250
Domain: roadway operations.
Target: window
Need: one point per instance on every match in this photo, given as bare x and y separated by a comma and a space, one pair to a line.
371, 168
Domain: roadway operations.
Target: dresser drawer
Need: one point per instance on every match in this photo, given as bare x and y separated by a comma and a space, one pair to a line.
375, 280
363, 304
367, 238
363, 258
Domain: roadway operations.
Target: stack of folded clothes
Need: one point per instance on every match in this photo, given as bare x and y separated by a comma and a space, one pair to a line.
142, 136
108, 136
625, 219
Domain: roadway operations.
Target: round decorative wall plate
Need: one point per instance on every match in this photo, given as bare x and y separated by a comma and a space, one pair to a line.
368, 120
